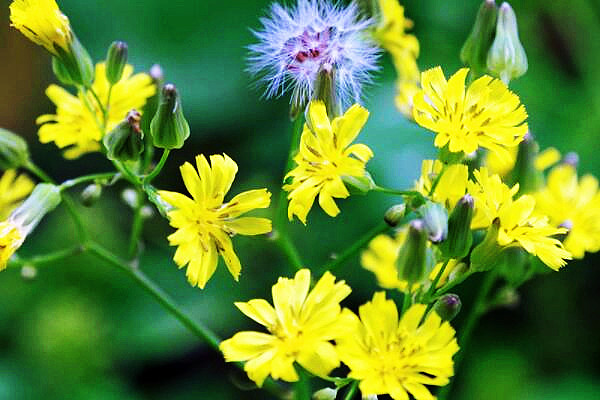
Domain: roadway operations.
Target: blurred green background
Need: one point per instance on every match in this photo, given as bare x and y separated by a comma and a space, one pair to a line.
82, 330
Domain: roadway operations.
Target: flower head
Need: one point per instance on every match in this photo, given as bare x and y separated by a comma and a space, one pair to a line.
325, 157
451, 184
487, 114
398, 357
42, 22
77, 124
205, 223
13, 190
301, 325
519, 226
574, 203
296, 43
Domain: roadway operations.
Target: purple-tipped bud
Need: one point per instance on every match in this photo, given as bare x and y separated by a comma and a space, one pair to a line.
571, 159
169, 128
486, 255
435, 218
460, 237
116, 59
448, 306
475, 50
125, 142
412, 257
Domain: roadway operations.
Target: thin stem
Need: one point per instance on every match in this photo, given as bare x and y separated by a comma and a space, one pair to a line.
355, 247
406, 300
127, 173
158, 168
137, 225
48, 258
107, 110
437, 180
446, 288
477, 310
87, 178
290, 251
37, 171
397, 192
83, 91
351, 391
97, 98
159, 295
433, 287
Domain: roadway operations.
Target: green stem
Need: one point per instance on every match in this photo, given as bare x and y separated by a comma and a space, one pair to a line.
47, 258
87, 178
158, 168
427, 298
290, 251
446, 288
437, 180
395, 192
37, 171
355, 247
351, 391
477, 310
406, 300
137, 225
159, 295
127, 173
97, 98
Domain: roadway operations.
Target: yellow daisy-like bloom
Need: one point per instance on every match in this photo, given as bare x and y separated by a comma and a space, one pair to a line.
205, 223
10, 241
382, 255
77, 124
451, 186
13, 190
398, 357
324, 158
574, 203
42, 22
519, 226
301, 326
487, 114
503, 166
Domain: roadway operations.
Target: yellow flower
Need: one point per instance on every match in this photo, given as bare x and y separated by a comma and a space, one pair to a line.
77, 124
519, 226
451, 186
10, 240
42, 22
382, 255
13, 190
486, 115
503, 166
301, 326
325, 158
398, 357
205, 223
575, 204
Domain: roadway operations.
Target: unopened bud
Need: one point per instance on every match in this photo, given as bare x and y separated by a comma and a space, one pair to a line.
448, 306
412, 258
91, 194
435, 217
13, 150
474, 52
486, 254
116, 59
506, 58
395, 214
169, 127
359, 185
460, 238
125, 142
325, 394
525, 172
73, 66
571, 159
325, 90
157, 74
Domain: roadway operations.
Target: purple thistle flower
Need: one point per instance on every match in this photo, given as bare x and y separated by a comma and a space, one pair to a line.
296, 43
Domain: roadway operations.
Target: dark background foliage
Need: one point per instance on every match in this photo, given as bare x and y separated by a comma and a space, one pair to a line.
82, 330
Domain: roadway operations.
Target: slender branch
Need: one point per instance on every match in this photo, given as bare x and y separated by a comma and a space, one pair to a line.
477, 310
355, 247
137, 225
395, 192
289, 250
48, 258
97, 98
427, 298
437, 180
351, 391
158, 168
87, 178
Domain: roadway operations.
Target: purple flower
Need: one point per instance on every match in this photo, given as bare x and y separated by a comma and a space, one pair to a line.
296, 43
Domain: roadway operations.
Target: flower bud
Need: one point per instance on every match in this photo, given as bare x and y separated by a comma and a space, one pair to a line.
116, 59
14, 152
394, 214
459, 238
435, 217
91, 194
475, 50
75, 65
412, 258
506, 58
44, 198
325, 394
325, 90
169, 128
486, 254
571, 159
448, 306
359, 185
125, 142
525, 172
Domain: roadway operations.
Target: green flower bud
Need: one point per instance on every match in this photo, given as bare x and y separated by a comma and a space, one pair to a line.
125, 142
524, 172
435, 217
475, 50
116, 59
13, 150
359, 185
460, 237
325, 394
74, 66
448, 306
506, 58
169, 128
325, 90
91, 194
486, 255
43, 199
412, 258
395, 214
